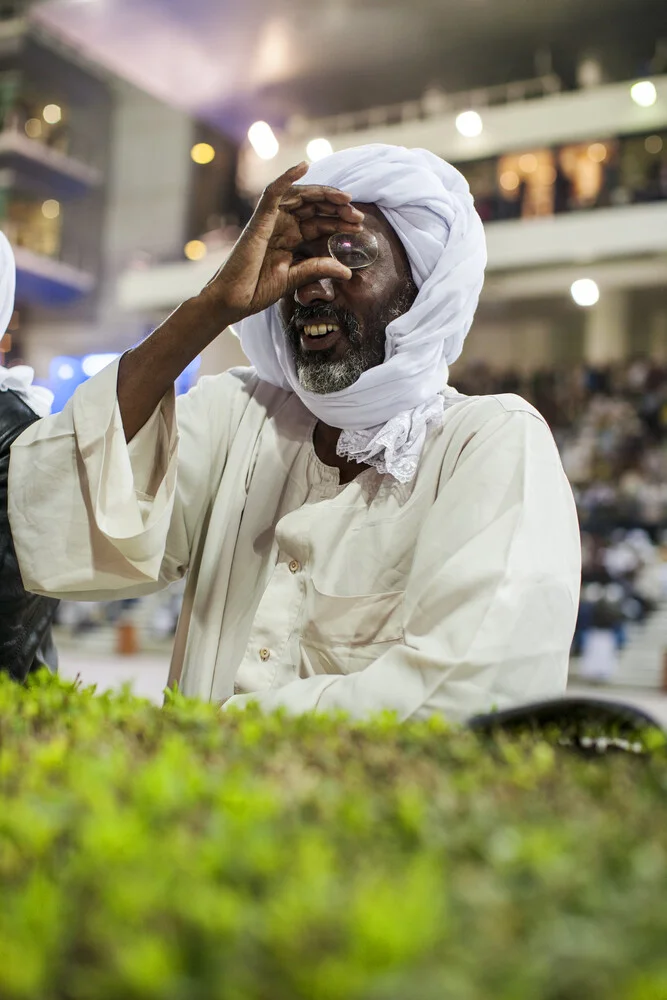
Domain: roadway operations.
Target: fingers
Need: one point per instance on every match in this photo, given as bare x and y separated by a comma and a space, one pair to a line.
286, 190
347, 212
302, 195
312, 229
315, 208
276, 190
322, 192
303, 201
321, 210
315, 269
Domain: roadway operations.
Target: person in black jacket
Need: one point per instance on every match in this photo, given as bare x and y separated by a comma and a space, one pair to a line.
26, 641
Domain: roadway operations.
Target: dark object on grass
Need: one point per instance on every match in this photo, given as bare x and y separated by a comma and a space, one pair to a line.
589, 725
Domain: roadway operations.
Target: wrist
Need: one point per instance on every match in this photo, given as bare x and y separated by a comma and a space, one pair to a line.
212, 312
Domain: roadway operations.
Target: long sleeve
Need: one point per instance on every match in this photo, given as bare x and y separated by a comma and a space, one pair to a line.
94, 518
491, 599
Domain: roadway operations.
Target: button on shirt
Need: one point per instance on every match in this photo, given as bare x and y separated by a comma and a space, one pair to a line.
453, 594
287, 598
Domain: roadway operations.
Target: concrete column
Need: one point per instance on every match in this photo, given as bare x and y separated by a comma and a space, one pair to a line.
658, 336
534, 345
149, 184
606, 327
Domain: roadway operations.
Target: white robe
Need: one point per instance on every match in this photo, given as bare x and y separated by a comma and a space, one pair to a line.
454, 594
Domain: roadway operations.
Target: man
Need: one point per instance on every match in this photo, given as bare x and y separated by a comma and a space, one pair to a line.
26, 642
356, 535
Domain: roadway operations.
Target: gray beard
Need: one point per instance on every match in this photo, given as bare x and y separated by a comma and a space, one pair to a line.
322, 375
331, 376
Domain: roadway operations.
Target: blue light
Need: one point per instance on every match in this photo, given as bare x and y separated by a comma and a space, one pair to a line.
188, 377
65, 374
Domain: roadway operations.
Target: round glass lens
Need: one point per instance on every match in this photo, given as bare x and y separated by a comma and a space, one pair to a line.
354, 250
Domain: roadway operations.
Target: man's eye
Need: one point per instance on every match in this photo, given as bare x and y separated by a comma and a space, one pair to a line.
352, 258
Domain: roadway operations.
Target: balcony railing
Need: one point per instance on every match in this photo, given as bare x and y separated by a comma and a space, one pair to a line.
433, 102
45, 272
623, 246
71, 175
520, 121
26, 236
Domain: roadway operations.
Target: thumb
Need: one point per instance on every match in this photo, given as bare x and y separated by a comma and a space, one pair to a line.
315, 269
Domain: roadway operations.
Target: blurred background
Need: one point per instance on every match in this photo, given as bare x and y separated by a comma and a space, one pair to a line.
135, 136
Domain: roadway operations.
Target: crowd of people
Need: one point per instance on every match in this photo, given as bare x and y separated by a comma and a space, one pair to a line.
611, 428
616, 172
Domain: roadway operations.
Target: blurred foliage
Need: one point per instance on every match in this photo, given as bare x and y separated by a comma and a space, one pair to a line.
176, 853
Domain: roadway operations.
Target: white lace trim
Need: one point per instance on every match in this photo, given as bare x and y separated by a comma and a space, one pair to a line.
19, 380
394, 448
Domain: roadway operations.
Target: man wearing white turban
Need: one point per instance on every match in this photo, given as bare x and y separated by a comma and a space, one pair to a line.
356, 535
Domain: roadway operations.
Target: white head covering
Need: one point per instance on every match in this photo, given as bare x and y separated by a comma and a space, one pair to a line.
19, 379
384, 415
7, 283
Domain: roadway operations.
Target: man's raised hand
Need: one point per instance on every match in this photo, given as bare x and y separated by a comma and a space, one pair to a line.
261, 267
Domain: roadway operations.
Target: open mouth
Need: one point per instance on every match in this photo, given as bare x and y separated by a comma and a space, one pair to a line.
319, 335
319, 329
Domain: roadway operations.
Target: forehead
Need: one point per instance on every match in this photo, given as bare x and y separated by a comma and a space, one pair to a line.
388, 240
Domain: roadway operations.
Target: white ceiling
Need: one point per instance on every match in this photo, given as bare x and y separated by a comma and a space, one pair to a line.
231, 61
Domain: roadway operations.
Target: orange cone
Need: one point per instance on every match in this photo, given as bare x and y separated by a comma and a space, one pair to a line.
127, 639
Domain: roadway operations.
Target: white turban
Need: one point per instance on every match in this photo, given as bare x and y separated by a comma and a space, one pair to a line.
19, 379
7, 283
385, 414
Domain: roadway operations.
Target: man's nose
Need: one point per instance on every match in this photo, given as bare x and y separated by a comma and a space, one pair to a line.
315, 291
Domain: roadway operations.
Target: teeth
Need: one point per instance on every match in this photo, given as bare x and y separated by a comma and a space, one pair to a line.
319, 329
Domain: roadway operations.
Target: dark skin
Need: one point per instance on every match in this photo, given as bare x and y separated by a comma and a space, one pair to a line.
275, 256
360, 295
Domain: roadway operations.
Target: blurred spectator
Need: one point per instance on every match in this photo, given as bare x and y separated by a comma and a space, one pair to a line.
583, 176
611, 427
562, 189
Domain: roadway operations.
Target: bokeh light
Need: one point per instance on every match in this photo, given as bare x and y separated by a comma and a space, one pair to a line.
597, 152
585, 292
202, 153
52, 114
644, 93
195, 250
33, 128
654, 145
317, 149
528, 163
469, 124
263, 140
51, 208
509, 180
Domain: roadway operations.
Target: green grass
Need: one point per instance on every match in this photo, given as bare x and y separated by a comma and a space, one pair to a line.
177, 853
